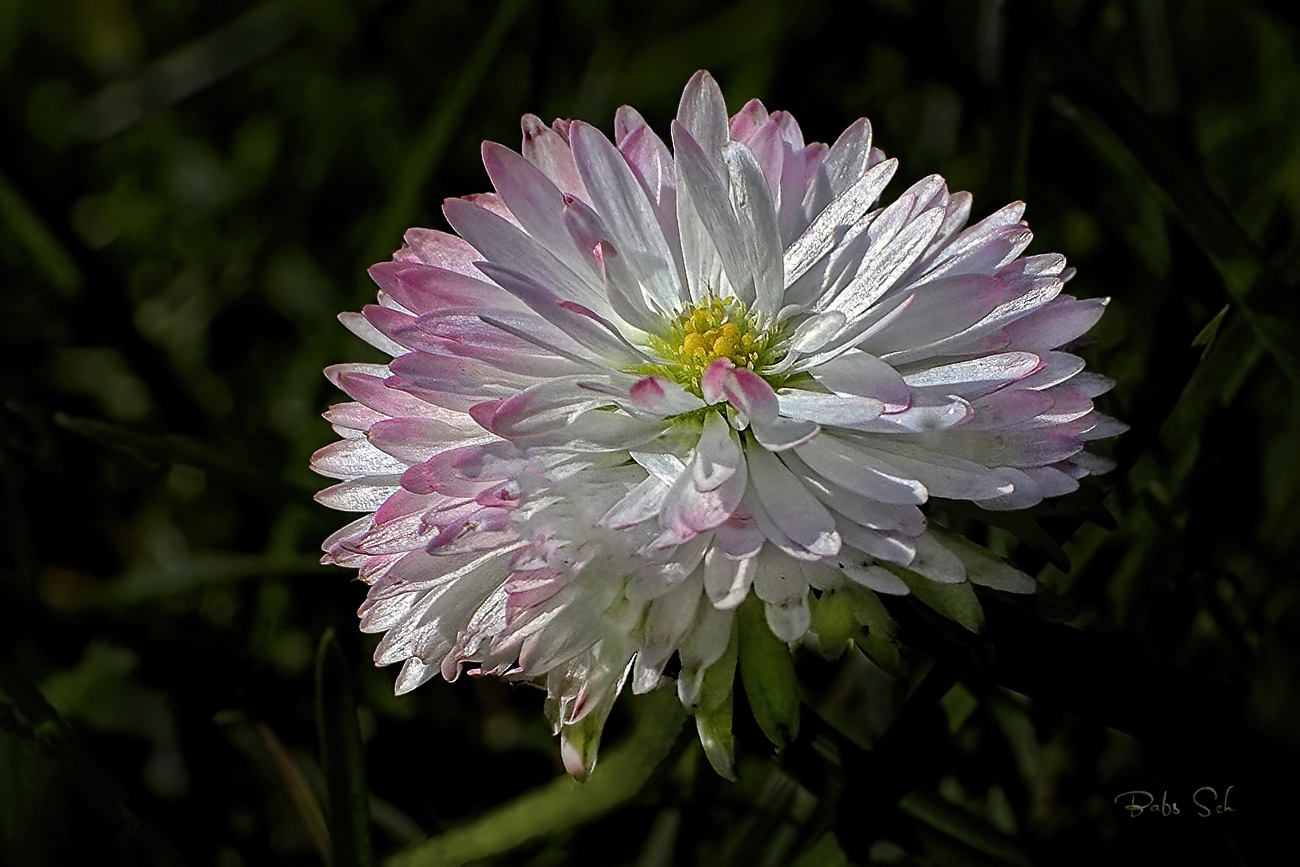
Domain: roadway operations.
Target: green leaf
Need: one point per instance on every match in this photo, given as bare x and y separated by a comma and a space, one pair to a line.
767, 670
1021, 524
564, 803
582, 739
300, 792
340, 746
958, 704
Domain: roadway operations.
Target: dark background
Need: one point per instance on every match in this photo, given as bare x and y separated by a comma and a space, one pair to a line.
189, 193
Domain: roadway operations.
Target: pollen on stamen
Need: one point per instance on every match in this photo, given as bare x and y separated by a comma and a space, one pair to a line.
700, 335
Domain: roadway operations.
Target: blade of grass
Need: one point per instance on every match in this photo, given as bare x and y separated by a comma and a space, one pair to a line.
1167, 457
299, 790
340, 746
31, 232
432, 139
24, 707
563, 803
207, 60
151, 583
964, 826
1260, 294
161, 449
826, 852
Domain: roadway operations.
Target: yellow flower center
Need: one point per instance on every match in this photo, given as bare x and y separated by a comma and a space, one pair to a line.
697, 337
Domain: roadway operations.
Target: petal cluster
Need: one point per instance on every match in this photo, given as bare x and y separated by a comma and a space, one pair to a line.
643, 386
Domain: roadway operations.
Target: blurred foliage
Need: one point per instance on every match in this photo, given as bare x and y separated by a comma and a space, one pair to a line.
190, 192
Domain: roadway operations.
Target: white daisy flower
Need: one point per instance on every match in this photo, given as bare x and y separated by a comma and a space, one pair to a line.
643, 389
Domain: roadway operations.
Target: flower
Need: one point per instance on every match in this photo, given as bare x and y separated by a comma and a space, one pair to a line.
644, 394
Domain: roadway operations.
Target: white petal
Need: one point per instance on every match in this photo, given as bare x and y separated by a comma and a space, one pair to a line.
704, 645
859, 471
794, 511
1057, 368
361, 327
508, 246
876, 578
703, 113
699, 254
624, 292
546, 149
847, 159
365, 494
780, 434
927, 414
352, 458
857, 508
534, 201
666, 623
860, 373
717, 455
727, 581
943, 308
825, 231
641, 504
622, 204
663, 397
709, 193
966, 377
664, 466
780, 583
415, 440
845, 410
941, 471
890, 547
689, 510
885, 263
602, 343
936, 562
756, 214
817, 330
414, 672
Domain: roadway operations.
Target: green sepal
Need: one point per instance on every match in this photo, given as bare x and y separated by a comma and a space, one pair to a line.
955, 601
580, 745
835, 620
717, 738
983, 567
767, 671
713, 712
880, 640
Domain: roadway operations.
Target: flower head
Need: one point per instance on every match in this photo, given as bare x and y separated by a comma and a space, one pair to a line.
642, 389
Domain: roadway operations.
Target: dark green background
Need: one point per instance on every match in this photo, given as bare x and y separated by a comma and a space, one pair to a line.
189, 193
